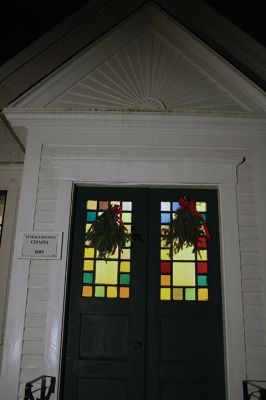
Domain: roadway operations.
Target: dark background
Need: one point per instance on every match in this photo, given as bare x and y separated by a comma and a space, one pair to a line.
22, 22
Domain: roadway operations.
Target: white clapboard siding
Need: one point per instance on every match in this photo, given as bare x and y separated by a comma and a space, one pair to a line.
252, 285
32, 364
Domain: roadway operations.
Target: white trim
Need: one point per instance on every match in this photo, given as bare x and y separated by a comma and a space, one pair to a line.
232, 292
236, 85
40, 122
10, 177
231, 278
57, 285
19, 278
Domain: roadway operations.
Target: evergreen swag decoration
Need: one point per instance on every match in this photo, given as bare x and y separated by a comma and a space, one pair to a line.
187, 227
107, 232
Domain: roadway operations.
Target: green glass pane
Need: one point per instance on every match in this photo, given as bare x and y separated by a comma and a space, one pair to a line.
88, 277
126, 217
124, 279
99, 291
190, 294
202, 280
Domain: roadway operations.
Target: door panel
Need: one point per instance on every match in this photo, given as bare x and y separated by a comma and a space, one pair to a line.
102, 357
184, 337
143, 345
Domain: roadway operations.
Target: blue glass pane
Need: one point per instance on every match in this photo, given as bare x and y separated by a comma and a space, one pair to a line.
165, 218
91, 216
88, 277
204, 217
176, 206
202, 280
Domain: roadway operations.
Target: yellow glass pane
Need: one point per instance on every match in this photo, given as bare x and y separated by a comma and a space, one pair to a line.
124, 292
202, 255
125, 255
88, 226
164, 228
177, 294
125, 266
163, 242
201, 206
184, 274
115, 255
87, 291
128, 228
89, 252
92, 205
165, 294
165, 280
202, 294
111, 291
165, 254
88, 265
106, 272
185, 254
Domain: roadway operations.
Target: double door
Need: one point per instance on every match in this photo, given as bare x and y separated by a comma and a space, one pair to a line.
146, 324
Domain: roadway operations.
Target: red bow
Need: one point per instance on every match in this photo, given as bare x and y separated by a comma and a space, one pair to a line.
117, 210
191, 205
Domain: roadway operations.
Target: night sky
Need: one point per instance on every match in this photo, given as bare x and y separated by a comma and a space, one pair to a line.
22, 22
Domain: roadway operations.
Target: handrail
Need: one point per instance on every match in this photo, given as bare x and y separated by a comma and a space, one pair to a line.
253, 390
44, 389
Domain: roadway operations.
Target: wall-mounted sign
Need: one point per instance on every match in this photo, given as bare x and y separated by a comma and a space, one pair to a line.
41, 245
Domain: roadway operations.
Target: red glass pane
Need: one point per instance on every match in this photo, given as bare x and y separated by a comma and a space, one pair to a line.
202, 267
165, 267
202, 243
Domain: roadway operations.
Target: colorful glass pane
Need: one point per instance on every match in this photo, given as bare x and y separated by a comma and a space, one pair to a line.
184, 275
91, 205
124, 292
106, 278
99, 291
165, 267
106, 272
185, 254
177, 294
203, 294
87, 291
190, 294
111, 291
91, 216
165, 294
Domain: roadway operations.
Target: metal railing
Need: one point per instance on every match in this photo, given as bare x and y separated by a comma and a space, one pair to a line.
254, 390
44, 384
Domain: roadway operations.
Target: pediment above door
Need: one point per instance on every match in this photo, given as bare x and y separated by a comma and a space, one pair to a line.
148, 62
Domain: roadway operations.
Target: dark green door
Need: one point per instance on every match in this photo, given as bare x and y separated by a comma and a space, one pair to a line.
146, 325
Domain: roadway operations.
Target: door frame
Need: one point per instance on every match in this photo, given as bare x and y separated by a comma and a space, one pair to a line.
198, 169
230, 281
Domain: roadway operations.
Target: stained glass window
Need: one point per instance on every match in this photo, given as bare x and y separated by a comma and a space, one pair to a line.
111, 278
183, 275
2, 210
